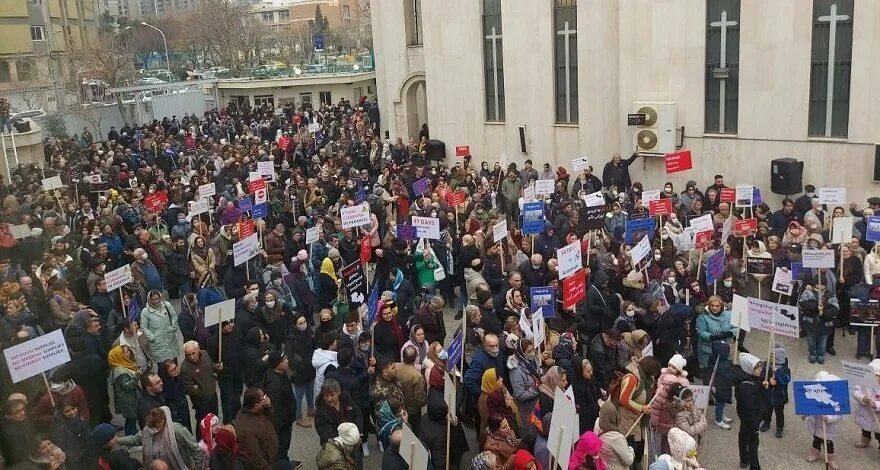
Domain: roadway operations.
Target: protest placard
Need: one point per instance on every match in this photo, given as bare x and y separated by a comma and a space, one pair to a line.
579, 164
842, 229
462, 150
427, 227
499, 231
744, 193
678, 161
831, 195
782, 282
563, 427
450, 394
640, 250
420, 186
246, 228
819, 398
412, 450
156, 202
355, 216
33, 357
407, 232
703, 223
533, 218
715, 266
745, 227
543, 187
20, 231
51, 183
594, 199
118, 277
701, 396
758, 265
574, 289
636, 229
859, 374
266, 170
727, 195
355, 282
245, 249
649, 195
543, 298
311, 235
207, 190
739, 313
774, 318
817, 258
873, 231
219, 312
660, 207
198, 207
570, 259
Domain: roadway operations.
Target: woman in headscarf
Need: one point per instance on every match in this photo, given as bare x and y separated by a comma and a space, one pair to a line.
123, 377
524, 377
165, 440
390, 416
204, 262
160, 326
226, 455
436, 357
514, 307
328, 283
417, 340
388, 335
275, 315
501, 439
208, 428
494, 399
586, 453
554, 378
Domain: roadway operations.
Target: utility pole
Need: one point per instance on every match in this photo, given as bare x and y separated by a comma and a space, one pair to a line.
54, 69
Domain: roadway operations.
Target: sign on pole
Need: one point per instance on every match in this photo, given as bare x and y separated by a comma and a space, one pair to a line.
499, 231
412, 450
563, 428
580, 164
245, 249
36, 356
533, 218
842, 230
774, 318
207, 190
739, 313
543, 298
782, 282
51, 183
427, 227
640, 250
744, 194
118, 277
219, 312
355, 282
198, 207
678, 161
570, 259
355, 216
873, 234
544, 186
817, 397
462, 151
311, 235
574, 289
450, 395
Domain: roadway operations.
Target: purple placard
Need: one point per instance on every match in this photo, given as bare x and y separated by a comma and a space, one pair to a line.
406, 232
420, 186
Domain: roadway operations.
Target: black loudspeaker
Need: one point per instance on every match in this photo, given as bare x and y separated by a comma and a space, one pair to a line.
876, 162
522, 139
786, 176
22, 126
436, 150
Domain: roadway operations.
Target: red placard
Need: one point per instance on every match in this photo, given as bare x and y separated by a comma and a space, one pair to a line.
256, 185
678, 161
728, 195
156, 202
745, 227
456, 198
463, 151
246, 228
660, 207
703, 240
574, 289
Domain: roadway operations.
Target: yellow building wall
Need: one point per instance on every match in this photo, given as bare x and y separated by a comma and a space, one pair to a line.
15, 39
13, 8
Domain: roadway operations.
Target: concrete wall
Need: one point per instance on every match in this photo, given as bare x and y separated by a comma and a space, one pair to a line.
635, 50
284, 93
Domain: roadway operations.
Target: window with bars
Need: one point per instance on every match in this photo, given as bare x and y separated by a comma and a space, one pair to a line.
830, 67
565, 60
722, 66
38, 33
493, 60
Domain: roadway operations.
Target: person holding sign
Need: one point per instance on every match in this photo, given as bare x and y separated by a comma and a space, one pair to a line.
819, 309
824, 429
867, 400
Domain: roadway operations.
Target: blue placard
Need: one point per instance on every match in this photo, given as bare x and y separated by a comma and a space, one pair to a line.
420, 186
260, 210
533, 218
318, 42
756, 196
873, 234
373, 304
360, 196
815, 397
456, 347
245, 204
545, 299
796, 268
715, 267
406, 232
637, 226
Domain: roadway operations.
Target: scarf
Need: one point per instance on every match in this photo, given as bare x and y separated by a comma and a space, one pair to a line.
510, 305
550, 381
163, 445
398, 280
436, 379
207, 425
525, 362
327, 268
490, 381
393, 324
201, 252
117, 358
497, 404
391, 422
422, 347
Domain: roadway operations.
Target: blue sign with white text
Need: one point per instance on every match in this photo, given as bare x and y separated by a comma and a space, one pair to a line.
543, 298
245, 204
456, 348
715, 267
533, 218
637, 227
812, 398
260, 210
873, 234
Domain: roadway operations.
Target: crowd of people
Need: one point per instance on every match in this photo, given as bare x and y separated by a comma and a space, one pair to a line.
301, 350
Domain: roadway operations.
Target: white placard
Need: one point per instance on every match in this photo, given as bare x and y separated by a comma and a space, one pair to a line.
529, 193
782, 282
702, 223
726, 229
223, 311
739, 313
449, 394
311, 235
266, 170
314, 127
545, 186
95, 179
207, 190
245, 249
817, 258
701, 396
412, 450
859, 374
642, 249
198, 207
254, 175
744, 194
20, 231
36, 356
569, 259
355, 216
563, 427
594, 199
51, 183
651, 195
773, 317
261, 196
118, 277
580, 164
842, 229
499, 231
831, 195
427, 227
648, 350
688, 240
538, 333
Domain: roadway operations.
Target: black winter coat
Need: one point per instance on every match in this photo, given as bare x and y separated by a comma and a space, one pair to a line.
357, 384
277, 387
90, 372
433, 435
233, 353
254, 350
300, 347
751, 405
328, 419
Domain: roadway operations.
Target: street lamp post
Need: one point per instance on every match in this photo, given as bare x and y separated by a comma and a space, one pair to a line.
164, 41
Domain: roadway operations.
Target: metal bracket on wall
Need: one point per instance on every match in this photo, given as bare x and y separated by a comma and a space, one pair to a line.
680, 139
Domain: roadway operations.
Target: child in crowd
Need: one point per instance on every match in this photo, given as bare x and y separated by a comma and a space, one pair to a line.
663, 409
824, 429
867, 401
688, 417
722, 382
776, 393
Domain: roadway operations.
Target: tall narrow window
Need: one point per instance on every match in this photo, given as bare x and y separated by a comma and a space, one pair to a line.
493, 60
413, 15
722, 66
830, 68
565, 60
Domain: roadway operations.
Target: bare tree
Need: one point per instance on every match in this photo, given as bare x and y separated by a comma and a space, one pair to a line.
225, 33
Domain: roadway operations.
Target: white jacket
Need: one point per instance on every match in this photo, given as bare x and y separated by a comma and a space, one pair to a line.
321, 359
616, 452
872, 266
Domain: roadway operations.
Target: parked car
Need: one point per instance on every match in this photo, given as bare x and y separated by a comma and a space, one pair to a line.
150, 81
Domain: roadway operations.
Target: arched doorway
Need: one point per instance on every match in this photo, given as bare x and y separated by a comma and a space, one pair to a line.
414, 107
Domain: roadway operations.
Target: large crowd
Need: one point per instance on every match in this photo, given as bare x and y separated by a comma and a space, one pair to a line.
307, 347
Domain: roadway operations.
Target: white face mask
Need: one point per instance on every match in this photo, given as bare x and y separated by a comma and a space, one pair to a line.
270, 303
302, 327
277, 282
670, 280
656, 257
728, 284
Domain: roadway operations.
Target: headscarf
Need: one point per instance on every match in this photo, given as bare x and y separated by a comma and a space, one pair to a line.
481, 461
422, 348
436, 379
525, 362
388, 422
327, 268
509, 299
497, 405
588, 445
522, 458
207, 425
226, 442
163, 445
392, 322
435, 358
490, 381
202, 251
398, 280
550, 380
117, 358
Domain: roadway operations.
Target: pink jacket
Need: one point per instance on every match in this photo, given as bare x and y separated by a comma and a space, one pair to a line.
863, 412
832, 426
662, 410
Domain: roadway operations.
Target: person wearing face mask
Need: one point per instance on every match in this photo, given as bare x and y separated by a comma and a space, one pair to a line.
160, 326
166, 440
300, 347
525, 377
245, 313
256, 346
182, 229
805, 201
179, 282
274, 315
145, 273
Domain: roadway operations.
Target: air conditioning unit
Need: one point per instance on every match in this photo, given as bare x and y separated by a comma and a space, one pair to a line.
657, 135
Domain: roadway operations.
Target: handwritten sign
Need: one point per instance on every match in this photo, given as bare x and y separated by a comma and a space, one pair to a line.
245, 249
311, 235
580, 164
118, 277
355, 216
660, 207
207, 190
499, 231
198, 207
569, 259
36, 356
427, 227
831, 195
544, 186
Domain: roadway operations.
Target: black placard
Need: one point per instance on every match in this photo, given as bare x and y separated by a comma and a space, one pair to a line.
757, 265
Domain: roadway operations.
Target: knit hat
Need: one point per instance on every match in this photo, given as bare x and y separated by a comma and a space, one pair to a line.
680, 444
874, 366
779, 355
483, 296
275, 358
678, 362
333, 253
102, 433
348, 434
663, 462
825, 376
747, 362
